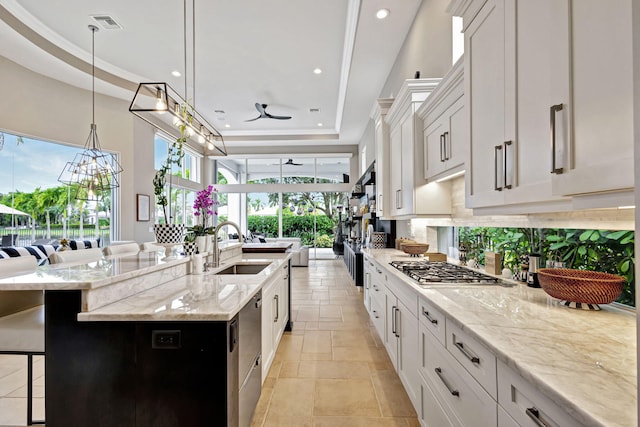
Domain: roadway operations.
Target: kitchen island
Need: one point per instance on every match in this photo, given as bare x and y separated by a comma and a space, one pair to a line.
519, 343
136, 341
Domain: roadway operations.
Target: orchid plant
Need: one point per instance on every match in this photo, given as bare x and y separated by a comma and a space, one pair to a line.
204, 208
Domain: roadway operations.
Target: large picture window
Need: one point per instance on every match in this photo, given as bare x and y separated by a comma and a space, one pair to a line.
44, 210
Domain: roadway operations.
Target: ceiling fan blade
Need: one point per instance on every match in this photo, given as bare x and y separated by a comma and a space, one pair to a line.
261, 108
251, 120
277, 117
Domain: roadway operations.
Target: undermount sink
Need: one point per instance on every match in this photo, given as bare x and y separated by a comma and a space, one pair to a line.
254, 268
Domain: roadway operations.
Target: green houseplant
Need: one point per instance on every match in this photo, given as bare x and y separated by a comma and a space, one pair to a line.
168, 232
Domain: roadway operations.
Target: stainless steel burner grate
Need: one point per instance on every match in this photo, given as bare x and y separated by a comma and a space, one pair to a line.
426, 272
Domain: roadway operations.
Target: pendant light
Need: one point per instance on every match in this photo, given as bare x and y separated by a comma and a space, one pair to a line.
92, 172
163, 108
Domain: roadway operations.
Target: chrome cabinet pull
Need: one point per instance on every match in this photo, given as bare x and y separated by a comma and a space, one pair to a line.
376, 288
534, 414
395, 315
277, 299
471, 357
375, 314
425, 313
552, 124
453, 392
446, 151
495, 167
442, 148
506, 144
393, 320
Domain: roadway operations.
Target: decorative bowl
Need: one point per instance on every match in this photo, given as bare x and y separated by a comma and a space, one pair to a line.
414, 249
578, 287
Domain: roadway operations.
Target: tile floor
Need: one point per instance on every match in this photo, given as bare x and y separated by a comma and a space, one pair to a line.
331, 370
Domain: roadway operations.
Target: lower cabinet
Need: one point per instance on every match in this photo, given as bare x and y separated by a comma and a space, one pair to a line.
275, 297
401, 339
354, 262
526, 405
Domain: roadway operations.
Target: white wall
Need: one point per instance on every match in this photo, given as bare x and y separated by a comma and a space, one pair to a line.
39, 107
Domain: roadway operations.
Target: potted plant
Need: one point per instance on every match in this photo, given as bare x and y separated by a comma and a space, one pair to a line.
168, 232
204, 208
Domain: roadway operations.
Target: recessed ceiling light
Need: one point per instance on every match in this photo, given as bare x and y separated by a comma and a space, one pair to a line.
320, 124
382, 13
317, 71
227, 125
176, 73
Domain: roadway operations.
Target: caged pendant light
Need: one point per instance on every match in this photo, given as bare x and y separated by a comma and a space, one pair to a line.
92, 171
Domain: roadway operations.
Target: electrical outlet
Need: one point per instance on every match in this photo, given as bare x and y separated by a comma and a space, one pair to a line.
165, 340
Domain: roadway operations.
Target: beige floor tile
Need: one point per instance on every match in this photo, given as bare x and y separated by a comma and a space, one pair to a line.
358, 422
331, 369
354, 397
331, 312
391, 395
289, 369
351, 338
285, 421
317, 342
308, 314
316, 356
364, 354
292, 397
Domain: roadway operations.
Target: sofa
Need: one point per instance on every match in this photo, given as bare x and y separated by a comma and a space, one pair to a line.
299, 253
43, 252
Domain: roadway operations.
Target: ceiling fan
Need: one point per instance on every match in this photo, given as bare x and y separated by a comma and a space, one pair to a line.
264, 115
289, 162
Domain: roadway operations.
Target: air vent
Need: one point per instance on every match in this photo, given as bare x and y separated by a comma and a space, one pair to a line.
314, 110
106, 22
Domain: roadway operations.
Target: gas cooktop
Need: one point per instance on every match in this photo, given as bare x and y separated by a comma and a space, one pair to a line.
429, 273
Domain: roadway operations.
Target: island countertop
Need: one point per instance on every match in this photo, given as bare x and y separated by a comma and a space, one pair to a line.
584, 361
202, 297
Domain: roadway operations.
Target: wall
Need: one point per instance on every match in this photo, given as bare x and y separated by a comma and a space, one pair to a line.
43, 108
427, 48
602, 219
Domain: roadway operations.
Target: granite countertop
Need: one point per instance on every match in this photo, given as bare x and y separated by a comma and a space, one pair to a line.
203, 297
91, 275
584, 361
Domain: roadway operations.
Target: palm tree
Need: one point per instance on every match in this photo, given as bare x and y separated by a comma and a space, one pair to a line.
45, 201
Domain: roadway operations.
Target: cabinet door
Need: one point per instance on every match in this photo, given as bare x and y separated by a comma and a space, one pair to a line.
406, 173
408, 351
456, 140
486, 91
268, 348
434, 141
395, 171
542, 60
600, 151
391, 339
431, 412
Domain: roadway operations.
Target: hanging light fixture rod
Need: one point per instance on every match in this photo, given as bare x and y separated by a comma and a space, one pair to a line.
152, 101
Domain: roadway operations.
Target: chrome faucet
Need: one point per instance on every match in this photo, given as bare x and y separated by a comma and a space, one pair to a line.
216, 252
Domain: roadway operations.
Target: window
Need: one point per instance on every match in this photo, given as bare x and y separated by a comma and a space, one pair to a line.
29, 171
190, 169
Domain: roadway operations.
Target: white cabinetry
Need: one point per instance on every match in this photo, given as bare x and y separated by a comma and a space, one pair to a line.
544, 123
526, 405
402, 341
275, 301
381, 137
445, 127
409, 194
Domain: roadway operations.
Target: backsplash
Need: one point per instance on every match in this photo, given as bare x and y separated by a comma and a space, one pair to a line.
597, 219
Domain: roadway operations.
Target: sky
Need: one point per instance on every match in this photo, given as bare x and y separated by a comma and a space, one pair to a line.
32, 164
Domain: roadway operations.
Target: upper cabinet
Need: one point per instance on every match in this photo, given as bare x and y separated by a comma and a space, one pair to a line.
409, 193
548, 92
381, 137
445, 136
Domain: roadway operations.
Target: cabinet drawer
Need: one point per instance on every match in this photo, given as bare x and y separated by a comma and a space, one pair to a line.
433, 319
504, 419
475, 357
461, 396
377, 314
524, 403
431, 412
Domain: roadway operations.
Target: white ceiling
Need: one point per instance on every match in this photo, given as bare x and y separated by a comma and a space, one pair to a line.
246, 51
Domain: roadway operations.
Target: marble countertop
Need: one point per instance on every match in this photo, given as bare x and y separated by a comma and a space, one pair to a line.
584, 361
203, 297
92, 275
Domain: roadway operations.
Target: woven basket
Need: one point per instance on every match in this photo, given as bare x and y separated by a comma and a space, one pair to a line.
587, 287
414, 248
